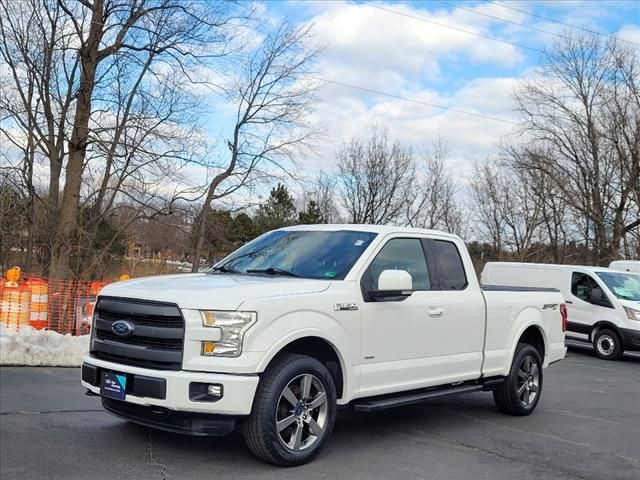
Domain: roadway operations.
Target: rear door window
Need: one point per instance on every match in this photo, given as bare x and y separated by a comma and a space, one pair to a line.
451, 273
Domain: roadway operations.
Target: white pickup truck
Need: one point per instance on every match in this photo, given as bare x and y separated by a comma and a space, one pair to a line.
306, 318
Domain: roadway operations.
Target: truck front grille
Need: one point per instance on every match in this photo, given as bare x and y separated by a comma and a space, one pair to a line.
157, 338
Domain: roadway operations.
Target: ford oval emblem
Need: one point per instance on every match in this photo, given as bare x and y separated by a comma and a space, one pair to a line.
122, 328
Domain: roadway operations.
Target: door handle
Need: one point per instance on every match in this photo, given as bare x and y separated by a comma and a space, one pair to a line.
568, 301
436, 311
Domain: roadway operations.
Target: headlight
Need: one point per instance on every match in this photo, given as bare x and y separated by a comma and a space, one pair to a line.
632, 313
233, 326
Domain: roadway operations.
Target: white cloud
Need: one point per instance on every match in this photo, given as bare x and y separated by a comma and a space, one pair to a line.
470, 138
369, 42
630, 33
378, 50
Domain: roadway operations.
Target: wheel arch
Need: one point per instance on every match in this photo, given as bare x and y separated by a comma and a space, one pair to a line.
534, 336
604, 324
319, 348
533, 333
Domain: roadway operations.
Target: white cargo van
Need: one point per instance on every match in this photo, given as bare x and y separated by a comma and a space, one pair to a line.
603, 305
632, 266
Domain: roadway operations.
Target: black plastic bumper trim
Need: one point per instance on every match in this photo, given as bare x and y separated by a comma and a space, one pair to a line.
198, 424
137, 385
630, 339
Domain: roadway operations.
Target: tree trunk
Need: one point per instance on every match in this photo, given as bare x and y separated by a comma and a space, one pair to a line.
202, 226
68, 220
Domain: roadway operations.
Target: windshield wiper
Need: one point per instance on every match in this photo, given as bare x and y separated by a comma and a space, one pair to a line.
273, 271
624, 297
224, 269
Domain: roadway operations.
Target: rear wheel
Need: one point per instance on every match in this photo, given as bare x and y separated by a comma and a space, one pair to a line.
293, 412
520, 392
607, 344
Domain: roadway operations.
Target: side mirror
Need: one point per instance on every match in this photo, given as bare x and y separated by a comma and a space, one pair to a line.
595, 294
393, 284
597, 297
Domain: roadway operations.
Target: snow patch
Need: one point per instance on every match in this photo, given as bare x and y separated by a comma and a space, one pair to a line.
41, 348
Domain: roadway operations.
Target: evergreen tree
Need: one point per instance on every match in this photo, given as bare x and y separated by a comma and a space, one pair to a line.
311, 215
243, 229
277, 212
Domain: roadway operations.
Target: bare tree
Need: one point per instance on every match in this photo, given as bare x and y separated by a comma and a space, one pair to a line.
507, 211
273, 99
97, 88
375, 178
323, 193
583, 131
435, 194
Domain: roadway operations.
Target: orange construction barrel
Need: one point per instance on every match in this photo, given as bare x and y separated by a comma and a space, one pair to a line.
39, 311
14, 306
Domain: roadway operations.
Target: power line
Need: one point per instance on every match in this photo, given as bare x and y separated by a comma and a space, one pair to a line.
570, 25
444, 25
501, 19
413, 100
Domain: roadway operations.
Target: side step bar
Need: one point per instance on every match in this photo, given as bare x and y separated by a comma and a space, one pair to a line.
374, 404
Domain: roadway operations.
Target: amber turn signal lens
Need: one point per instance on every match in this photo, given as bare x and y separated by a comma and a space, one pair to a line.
208, 319
208, 348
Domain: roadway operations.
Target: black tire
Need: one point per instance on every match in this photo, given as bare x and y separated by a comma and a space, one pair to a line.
607, 344
272, 404
514, 396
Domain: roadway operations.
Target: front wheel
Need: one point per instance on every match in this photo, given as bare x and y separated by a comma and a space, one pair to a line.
520, 392
293, 412
607, 344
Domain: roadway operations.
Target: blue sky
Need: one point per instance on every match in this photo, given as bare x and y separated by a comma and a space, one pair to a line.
422, 50
369, 46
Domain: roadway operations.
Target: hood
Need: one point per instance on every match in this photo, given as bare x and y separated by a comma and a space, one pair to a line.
211, 291
629, 303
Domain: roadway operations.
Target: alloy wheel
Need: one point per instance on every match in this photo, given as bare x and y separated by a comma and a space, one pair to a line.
528, 383
301, 412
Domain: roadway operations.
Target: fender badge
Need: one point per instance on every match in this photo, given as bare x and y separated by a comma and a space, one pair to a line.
340, 307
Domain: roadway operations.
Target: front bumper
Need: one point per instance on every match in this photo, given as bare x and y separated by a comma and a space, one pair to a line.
169, 389
199, 424
630, 339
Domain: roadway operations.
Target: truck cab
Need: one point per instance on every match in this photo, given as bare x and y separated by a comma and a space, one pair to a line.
306, 318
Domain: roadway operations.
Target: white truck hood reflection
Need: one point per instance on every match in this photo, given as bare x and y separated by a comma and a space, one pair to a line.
212, 291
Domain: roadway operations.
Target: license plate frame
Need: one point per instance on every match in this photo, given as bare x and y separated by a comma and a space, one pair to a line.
113, 385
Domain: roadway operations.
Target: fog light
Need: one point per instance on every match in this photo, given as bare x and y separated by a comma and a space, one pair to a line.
215, 390
205, 392
208, 348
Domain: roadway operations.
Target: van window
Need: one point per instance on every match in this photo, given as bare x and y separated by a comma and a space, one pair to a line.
581, 285
623, 285
451, 270
402, 254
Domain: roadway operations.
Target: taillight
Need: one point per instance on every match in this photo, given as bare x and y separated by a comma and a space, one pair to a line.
563, 313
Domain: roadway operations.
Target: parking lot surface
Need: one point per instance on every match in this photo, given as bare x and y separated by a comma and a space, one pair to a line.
587, 426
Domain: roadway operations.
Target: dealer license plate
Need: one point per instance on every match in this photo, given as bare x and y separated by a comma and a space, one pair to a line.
114, 385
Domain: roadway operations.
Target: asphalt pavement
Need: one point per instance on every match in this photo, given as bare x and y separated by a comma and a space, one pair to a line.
587, 426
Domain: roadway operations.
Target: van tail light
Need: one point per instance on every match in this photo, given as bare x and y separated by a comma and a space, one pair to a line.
563, 313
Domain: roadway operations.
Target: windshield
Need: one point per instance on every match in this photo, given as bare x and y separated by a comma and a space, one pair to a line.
623, 285
306, 254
